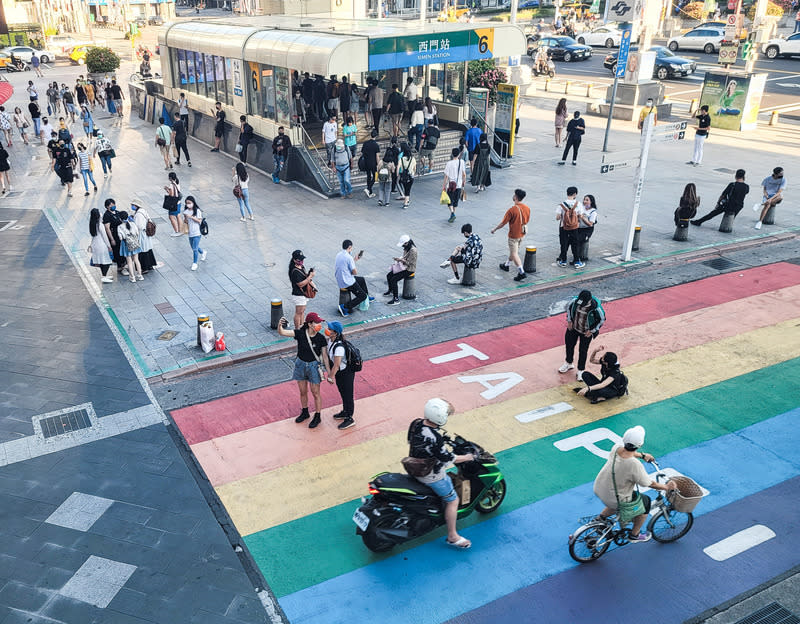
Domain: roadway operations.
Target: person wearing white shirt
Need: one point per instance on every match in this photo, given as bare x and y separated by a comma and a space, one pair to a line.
455, 177
410, 95
587, 217
330, 131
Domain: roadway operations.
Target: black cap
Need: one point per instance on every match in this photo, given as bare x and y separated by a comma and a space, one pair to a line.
298, 255
584, 297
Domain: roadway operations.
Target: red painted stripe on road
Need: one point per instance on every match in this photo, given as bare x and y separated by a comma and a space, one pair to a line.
228, 415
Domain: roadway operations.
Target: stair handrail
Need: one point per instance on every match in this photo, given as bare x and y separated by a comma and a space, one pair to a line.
490, 134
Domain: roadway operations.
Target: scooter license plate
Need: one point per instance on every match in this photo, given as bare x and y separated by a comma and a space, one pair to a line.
361, 520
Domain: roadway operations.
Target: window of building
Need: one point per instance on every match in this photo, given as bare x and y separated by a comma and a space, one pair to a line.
454, 83
436, 84
268, 91
219, 75
228, 82
200, 73
283, 96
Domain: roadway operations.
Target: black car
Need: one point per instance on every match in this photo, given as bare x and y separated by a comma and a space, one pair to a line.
667, 64
563, 48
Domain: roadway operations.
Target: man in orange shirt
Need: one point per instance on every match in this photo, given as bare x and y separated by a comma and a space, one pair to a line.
517, 218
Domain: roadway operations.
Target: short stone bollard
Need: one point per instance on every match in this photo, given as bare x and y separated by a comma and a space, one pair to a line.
769, 218
681, 231
344, 296
276, 312
468, 279
410, 287
529, 264
637, 235
583, 250
727, 223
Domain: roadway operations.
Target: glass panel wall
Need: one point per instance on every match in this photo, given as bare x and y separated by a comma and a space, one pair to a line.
204, 74
454, 83
228, 82
200, 72
436, 85
268, 91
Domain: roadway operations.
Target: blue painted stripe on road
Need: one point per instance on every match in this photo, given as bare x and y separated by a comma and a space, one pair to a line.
663, 583
525, 546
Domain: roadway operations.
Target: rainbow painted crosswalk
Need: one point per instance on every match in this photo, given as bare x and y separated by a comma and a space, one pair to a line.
714, 369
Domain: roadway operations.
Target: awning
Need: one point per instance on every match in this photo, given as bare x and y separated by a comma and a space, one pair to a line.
212, 38
316, 53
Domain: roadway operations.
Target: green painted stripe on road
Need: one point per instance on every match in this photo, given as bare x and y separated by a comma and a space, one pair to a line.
323, 545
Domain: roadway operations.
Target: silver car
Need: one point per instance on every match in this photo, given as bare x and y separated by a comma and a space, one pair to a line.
706, 39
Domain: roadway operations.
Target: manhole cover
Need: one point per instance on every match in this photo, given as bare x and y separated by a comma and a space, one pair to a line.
771, 614
64, 423
168, 335
720, 264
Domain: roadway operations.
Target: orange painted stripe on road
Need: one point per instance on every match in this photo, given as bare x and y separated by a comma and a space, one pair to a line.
261, 449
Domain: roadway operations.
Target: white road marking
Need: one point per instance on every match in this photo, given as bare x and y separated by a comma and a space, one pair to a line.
543, 412
739, 542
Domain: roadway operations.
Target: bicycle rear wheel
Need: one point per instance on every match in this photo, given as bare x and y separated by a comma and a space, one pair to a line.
590, 543
669, 525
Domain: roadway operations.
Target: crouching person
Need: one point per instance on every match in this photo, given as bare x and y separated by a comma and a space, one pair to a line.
612, 382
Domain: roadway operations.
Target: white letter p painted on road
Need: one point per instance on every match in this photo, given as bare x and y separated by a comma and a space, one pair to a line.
587, 440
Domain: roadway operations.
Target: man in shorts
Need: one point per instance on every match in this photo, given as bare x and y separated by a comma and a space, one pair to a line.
163, 141
773, 187
517, 218
219, 127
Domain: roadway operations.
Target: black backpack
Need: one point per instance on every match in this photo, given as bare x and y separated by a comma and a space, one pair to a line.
352, 356
64, 135
622, 384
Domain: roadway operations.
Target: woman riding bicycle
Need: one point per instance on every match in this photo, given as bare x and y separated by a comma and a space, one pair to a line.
624, 468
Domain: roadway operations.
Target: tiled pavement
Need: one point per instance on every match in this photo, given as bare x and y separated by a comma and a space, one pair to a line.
247, 262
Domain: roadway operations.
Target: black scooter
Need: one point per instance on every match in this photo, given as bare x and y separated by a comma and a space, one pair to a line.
17, 65
401, 508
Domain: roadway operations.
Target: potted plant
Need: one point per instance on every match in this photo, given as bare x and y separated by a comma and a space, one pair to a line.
101, 61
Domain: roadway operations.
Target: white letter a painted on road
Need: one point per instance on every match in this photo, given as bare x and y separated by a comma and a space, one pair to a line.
507, 381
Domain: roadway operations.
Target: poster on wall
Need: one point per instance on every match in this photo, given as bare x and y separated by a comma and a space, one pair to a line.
752, 104
505, 119
237, 77
282, 96
725, 96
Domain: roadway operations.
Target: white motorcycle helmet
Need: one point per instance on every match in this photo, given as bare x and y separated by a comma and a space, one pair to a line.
437, 410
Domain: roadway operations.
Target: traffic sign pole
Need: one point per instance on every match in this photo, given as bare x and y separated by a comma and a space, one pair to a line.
638, 182
619, 71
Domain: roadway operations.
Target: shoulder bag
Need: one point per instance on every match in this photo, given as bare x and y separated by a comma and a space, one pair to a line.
418, 466
522, 221
627, 510
150, 226
237, 189
316, 357
309, 292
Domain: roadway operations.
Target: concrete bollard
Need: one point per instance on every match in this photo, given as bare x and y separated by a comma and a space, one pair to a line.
529, 264
276, 312
637, 235
769, 218
468, 279
727, 223
204, 318
681, 231
589, 90
583, 251
693, 106
344, 296
567, 85
547, 84
773, 118
410, 287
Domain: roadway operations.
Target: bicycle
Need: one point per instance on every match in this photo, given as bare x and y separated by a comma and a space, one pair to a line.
671, 518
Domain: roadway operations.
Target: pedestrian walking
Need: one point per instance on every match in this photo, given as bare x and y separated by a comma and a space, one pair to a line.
687, 206
730, 201
342, 166
401, 268
36, 116
35, 63
173, 191
280, 150
772, 187
88, 88
319, 98
575, 131
241, 191
46, 129
111, 223
5, 167
98, 93
481, 173
330, 131
86, 167
245, 136
561, 119
347, 278
183, 110
410, 95
193, 217
349, 132
430, 113
344, 98
394, 108
22, 124
472, 138
430, 139
309, 364
341, 373
117, 95
455, 177
406, 168
80, 93
369, 152
355, 101
69, 102
162, 142
129, 246
647, 110
376, 97
585, 317
53, 99
332, 102
517, 217
385, 170
587, 218
416, 125
64, 159
88, 121
303, 287
700, 135
33, 93
219, 125
178, 138
5, 125
100, 247
469, 254
141, 218
568, 221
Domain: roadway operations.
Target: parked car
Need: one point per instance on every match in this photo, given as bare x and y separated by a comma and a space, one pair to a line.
62, 42
5, 60
706, 39
667, 64
25, 52
564, 49
782, 47
77, 54
601, 36
529, 4
155, 20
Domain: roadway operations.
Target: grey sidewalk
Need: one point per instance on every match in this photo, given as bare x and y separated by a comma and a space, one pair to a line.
247, 262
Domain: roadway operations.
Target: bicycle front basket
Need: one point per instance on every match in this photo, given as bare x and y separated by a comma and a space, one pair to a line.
687, 496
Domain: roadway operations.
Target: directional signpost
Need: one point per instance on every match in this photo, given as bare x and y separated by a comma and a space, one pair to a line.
622, 62
618, 160
671, 132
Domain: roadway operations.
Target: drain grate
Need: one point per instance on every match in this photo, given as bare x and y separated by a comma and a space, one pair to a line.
65, 423
720, 264
771, 614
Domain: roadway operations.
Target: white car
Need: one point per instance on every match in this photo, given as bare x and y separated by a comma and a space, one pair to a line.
24, 53
782, 47
706, 39
601, 36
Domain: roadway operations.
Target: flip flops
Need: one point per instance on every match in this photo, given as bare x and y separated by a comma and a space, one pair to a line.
462, 544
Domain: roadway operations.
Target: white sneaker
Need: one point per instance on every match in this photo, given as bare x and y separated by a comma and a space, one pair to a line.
454, 280
445, 264
125, 272
140, 277
241, 219
579, 375
203, 256
106, 280
174, 234
565, 367
194, 266
367, 193
758, 225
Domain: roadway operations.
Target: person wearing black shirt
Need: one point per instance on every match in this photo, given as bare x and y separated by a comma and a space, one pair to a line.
111, 223
318, 98
64, 160
700, 135
219, 128
344, 97
430, 139
245, 136
311, 361
575, 129
280, 149
308, 91
391, 155
394, 107
179, 140
117, 95
610, 384
731, 201
370, 151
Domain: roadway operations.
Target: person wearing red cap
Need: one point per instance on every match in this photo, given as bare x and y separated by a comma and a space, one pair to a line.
311, 362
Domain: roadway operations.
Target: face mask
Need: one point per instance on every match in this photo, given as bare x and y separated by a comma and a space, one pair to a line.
327, 332
189, 205
316, 326
112, 208
134, 207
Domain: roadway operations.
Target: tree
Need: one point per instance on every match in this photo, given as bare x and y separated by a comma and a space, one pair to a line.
485, 74
101, 60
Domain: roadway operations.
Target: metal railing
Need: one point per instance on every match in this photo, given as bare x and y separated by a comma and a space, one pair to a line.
502, 157
317, 160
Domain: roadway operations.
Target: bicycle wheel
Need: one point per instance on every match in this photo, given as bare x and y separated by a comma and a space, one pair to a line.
669, 525
590, 543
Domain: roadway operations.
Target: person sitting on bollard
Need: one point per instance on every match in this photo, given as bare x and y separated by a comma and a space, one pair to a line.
687, 206
469, 254
612, 382
731, 201
347, 278
773, 193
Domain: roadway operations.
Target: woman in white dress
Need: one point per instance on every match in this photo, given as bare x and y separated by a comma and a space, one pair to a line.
100, 248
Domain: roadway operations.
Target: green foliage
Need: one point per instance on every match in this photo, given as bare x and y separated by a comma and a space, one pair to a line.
524, 15
101, 60
777, 8
694, 10
485, 74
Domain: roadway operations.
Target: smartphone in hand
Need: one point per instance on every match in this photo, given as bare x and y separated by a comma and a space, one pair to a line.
360, 253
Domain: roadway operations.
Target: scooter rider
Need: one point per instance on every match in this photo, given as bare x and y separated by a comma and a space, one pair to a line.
542, 57
427, 442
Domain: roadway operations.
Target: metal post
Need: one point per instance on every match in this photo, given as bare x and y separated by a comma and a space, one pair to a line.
761, 11
638, 182
610, 112
514, 6
423, 7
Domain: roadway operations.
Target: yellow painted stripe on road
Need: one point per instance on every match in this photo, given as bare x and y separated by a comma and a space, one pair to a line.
269, 499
